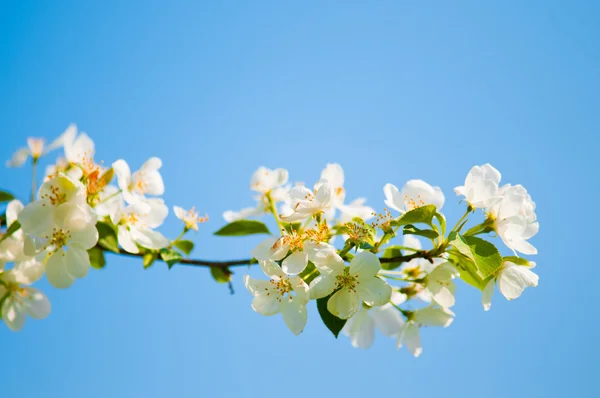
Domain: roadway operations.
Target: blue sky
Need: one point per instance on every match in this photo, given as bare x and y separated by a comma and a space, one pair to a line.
392, 90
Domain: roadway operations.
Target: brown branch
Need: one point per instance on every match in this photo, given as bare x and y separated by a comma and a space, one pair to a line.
428, 255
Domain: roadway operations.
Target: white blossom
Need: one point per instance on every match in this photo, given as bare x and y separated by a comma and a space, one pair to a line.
512, 279
514, 218
409, 334
135, 225
283, 294
415, 193
190, 218
307, 203
481, 186
353, 285
146, 181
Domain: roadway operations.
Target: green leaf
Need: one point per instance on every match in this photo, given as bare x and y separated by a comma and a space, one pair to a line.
391, 252
309, 273
423, 214
333, 323
97, 259
185, 246
171, 257
483, 228
5, 196
14, 227
427, 233
516, 260
468, 272
221, 274
243, 228
442, 220
107, 237
149, 258
482, 253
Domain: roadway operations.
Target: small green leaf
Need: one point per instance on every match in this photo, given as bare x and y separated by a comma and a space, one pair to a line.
482, 253
427, 233
309, 273
333, 323
107, 237
221, 274
423, 214
243, 228
391, 252
149, 258
516, 260
97, 259
105, 178
5, 196
14, 227
171, 257
468, 271
185, 246
483, 228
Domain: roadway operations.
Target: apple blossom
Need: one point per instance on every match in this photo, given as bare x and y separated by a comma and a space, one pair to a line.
54, 195
36, 148
387, 319
190, 218
481, 186
146, 181
514, 218
409, 334
308, 203
283, 294
351, 285
512, 279
415, 193
135, 225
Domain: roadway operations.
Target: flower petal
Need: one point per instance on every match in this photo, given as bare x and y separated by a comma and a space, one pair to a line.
360, 329
36, 304
322, 286
56, 271
295, 262
266, 305
513, 280
343, 304
366, 265
374, 292
294, 314
77, 261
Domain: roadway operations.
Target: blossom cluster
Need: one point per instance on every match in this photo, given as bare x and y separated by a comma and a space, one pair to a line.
408, 287
392, 271
73, 218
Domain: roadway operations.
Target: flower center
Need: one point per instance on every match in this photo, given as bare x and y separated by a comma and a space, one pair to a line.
56, 196
59, 238
412, 203
347, 281
319, 234
294, 241
281, 287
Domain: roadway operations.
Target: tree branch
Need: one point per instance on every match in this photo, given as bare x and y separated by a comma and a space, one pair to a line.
428, 255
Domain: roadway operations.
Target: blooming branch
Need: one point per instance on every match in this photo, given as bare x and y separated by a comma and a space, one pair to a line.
341, 254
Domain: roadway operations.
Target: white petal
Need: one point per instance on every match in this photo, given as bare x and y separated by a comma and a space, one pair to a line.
13, 208
125, 240
77, 261
266, 305
374, 292
488, 292
271, 269
179, 212
36, 304
148, 238
294, 315
123, 173
366, 265
514, 279
295, 263
343, 304
432, 316
412, 339
56, 271
18, 158
387, 320
12, 314
256, 286
392, 197
36, 217
86, 237
322, 286
360, 329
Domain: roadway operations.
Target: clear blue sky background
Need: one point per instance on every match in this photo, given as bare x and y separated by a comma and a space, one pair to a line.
392, 90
